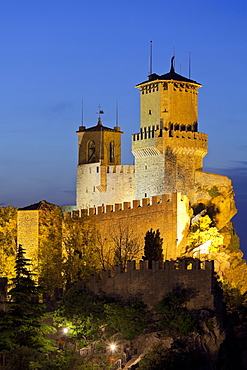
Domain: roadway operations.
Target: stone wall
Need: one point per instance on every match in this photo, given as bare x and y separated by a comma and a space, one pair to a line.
152, 284
169, 213
28, 232
166, 161
97, 185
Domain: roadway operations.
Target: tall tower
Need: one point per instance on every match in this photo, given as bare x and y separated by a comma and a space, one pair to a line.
169, 149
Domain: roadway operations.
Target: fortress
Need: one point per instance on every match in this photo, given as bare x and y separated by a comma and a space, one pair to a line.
164, 189
168, 150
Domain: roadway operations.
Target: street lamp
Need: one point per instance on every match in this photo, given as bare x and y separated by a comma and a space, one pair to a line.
112, 347
65, 331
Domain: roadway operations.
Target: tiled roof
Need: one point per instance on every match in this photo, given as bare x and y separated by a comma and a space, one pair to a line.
42, 205
100, 127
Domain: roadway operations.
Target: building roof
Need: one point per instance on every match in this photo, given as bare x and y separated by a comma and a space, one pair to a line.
172, 75
42, 205
99, 127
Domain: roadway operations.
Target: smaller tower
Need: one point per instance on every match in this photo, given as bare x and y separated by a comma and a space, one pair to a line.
99, 163
99, 144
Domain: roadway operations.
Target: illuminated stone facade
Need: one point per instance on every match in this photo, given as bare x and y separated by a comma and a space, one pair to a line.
168, 153
166, 181
169, 214
32, 223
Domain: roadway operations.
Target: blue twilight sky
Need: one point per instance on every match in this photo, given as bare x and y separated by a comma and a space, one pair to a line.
54, 53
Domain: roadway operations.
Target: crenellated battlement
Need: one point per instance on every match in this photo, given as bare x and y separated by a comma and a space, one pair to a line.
151, 284
151, 132
153, 204
120, 169
93, 168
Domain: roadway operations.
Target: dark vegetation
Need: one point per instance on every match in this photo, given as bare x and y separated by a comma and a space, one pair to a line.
153, 250
32, 338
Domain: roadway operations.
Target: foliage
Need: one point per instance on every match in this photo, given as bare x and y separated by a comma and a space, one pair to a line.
175, 358
82, 312
24, 358
128, 318
50, 248
30, 359
174, 315
21, 324
79, 255
202, 232
88, 316
126, 245
153, 246
8, 237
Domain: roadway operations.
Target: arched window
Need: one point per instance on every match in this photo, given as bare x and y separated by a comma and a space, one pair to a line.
111, 153
91, 151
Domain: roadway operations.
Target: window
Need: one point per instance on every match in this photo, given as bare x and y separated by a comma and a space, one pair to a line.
91, 151
189, 266
111, 153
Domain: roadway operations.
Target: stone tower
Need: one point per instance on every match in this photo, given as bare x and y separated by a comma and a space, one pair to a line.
169, 149
99, 144
100, 177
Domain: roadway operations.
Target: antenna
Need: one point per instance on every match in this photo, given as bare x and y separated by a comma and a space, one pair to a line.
82, 112
151, 58
180, 65
116, 113
189, 63
174, 54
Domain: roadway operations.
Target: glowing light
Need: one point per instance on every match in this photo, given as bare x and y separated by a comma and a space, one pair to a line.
112, 347
65, 330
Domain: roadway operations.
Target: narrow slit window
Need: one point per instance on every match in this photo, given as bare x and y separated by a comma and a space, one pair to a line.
112, 149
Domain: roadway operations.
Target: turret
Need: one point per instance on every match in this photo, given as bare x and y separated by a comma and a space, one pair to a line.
169, 101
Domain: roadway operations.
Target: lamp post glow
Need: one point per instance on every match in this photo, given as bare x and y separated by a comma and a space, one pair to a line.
112, 347
65, 330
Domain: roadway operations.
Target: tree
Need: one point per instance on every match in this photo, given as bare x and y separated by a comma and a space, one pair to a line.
80, 258
8, 237
203, 238
104, 250
21, 324
153, 246
126, 245
83, 313
126, 317
50, 248
174, 316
